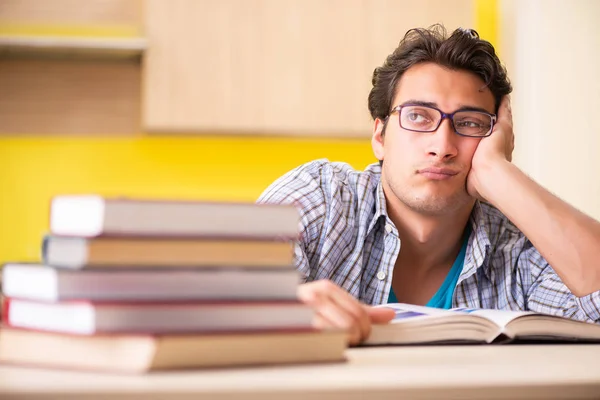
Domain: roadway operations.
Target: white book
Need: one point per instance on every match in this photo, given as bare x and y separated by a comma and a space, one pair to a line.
88, 318
41, 282
140, 353
91, 216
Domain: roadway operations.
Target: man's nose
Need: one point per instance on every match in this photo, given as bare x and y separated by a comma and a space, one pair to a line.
443, 141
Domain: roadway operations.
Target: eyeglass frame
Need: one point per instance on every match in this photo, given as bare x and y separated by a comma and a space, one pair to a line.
449, 116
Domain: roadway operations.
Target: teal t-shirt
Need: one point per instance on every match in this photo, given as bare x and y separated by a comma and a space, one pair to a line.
443, 297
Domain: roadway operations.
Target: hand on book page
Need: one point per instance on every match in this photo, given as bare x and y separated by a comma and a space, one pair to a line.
336, 308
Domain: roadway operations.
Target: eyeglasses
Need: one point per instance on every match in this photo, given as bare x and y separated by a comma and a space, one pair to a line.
420, 118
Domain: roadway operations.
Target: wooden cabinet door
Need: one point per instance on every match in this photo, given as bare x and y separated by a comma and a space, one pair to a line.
299, 67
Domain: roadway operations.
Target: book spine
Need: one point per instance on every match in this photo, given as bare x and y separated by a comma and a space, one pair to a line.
44, 249
62, 252
5, 308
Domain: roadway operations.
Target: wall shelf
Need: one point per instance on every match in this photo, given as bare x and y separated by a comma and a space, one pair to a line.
72, 46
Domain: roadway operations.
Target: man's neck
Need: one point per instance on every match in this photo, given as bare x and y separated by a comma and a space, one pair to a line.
429, 241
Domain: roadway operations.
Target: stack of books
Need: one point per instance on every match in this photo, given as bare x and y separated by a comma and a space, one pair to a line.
138, 285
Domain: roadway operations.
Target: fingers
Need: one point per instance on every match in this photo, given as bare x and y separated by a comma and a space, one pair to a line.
509, 120
329, 318
505, 111
335, 308
353, 307
505, 125
505, 103
380, 315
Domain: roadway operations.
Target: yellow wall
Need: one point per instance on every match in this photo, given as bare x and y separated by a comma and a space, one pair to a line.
486, 20
33, 169
230, 168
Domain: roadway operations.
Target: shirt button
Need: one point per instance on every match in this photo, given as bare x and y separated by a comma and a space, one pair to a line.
381, 275
388, 228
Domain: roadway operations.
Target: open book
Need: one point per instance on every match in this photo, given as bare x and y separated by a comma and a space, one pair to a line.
419, 325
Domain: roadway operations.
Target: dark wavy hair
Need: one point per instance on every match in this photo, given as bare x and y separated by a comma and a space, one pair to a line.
463, 50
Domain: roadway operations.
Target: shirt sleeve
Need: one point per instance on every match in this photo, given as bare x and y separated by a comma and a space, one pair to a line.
548, 294
302, 187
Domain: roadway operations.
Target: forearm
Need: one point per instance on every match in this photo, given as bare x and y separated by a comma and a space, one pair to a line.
568, 239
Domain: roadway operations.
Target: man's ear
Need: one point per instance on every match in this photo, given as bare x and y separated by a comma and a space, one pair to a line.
378, 138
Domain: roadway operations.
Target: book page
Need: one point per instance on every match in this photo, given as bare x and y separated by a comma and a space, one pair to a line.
499, 317
405, 312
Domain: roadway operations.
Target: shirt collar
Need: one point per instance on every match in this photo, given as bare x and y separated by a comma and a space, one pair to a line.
380, 207
479, 243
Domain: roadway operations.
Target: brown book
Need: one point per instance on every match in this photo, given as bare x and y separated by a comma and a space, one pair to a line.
143, 353
76, 253
90, 216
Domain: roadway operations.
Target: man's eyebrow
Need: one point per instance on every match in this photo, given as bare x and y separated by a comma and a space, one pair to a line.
420, 103
473, 108
435, 105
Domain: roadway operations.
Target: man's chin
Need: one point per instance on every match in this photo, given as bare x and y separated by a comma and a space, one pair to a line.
439, 203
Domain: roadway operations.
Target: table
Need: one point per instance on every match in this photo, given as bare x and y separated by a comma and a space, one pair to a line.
466, 372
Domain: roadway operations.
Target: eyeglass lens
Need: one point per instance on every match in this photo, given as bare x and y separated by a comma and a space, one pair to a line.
425, 119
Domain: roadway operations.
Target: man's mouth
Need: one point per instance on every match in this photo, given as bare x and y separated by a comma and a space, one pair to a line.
438, 174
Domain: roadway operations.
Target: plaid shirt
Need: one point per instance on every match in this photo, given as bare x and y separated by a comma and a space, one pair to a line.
348, 238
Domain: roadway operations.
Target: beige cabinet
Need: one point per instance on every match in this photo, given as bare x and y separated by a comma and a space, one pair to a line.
289, 67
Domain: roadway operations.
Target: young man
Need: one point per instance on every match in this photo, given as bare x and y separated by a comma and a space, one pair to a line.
444, 218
